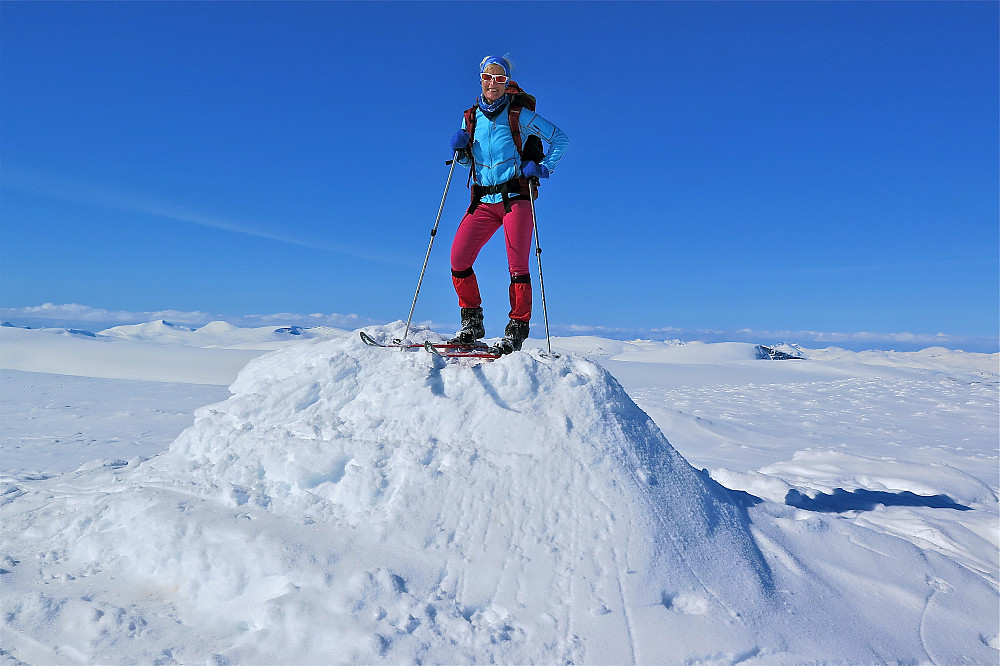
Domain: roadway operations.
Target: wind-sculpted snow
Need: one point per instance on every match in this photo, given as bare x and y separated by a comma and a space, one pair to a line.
351, 504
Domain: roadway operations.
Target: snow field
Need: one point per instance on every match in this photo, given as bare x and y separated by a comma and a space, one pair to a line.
351, 504
51, 424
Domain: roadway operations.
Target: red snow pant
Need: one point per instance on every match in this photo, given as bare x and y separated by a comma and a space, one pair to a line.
473, 233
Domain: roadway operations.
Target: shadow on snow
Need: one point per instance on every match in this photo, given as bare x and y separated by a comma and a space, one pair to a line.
841, 500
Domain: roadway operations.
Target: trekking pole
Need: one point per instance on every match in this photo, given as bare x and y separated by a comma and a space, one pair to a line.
454, 158
538, 256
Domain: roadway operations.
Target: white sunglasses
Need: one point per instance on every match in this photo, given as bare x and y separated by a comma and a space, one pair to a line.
499, 78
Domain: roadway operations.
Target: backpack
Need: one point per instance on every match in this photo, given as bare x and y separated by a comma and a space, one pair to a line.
531, 151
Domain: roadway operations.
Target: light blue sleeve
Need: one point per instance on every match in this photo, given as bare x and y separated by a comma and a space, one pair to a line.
532, 123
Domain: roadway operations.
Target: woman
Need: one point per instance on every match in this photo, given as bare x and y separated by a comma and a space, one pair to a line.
500, 199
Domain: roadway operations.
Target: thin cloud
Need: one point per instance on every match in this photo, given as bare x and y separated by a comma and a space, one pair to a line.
852, 340
84, 313
76, 192
76, 315
83, 316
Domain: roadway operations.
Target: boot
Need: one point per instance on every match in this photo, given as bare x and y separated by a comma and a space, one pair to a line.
472, 327
513, 336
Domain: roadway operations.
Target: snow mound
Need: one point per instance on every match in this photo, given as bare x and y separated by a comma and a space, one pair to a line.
359, 504
217, 334
939, 359
652, 351
528, 487
153, 330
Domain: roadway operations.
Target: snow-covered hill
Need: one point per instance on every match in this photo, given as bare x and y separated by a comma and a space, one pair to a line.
352, 504
155, 351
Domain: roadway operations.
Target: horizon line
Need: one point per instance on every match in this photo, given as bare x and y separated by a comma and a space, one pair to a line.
74, 315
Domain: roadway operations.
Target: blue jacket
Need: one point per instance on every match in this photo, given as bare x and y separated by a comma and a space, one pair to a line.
494, 153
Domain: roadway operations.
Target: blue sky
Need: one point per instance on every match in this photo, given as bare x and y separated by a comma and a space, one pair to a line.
761, 166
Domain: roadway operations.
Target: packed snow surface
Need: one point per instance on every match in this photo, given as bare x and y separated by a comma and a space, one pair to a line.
351, 504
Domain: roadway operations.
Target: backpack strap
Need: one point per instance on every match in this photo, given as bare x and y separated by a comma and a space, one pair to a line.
518, 100
470, 125
470, 129
514, 117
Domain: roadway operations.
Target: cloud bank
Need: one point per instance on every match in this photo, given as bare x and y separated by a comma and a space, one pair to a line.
857, 341
72, 315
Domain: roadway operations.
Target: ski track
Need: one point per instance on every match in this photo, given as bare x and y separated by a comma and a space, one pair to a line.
923, 622
615, 558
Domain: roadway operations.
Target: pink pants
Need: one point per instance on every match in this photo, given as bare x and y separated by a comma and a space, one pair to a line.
474, 232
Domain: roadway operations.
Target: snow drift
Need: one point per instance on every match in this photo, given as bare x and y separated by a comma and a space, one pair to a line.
522, 489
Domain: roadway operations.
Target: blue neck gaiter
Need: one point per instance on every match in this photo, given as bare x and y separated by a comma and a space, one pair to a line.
491, 111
